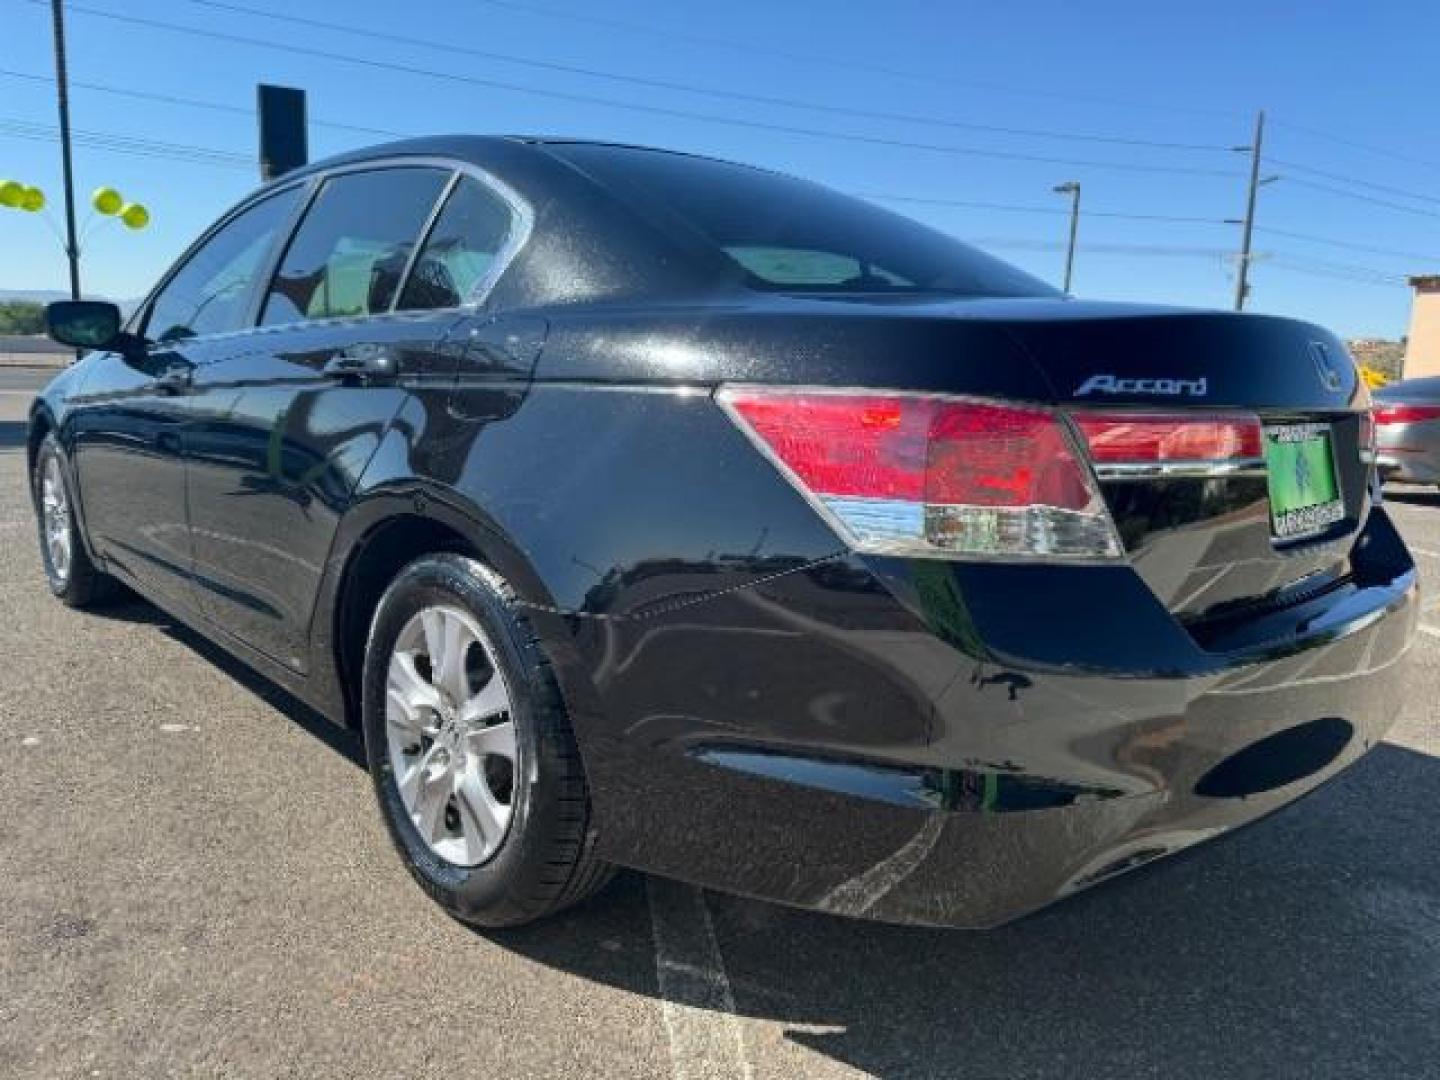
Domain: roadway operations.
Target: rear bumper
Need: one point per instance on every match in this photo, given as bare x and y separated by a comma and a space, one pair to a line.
1410, 452
957, 745
1412, 467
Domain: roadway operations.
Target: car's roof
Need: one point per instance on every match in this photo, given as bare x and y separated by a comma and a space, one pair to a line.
617, 221
584, 243
481, 150
478, 149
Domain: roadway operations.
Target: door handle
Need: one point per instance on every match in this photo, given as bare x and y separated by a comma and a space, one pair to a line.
173, 380
363, 364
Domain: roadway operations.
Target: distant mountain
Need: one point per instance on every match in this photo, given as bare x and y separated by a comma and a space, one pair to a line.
44, 296
35, 296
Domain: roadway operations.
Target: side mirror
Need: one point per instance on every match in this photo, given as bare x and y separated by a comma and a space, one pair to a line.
85, 324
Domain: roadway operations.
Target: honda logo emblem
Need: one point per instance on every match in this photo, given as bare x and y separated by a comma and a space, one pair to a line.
1325, 367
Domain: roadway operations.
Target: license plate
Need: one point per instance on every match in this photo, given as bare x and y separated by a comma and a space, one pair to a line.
1304, 496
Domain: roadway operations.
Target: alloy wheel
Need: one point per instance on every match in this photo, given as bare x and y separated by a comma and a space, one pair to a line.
55, 519
451, 737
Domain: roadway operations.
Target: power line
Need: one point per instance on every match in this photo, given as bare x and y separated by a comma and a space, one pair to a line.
1350, 272
169, 99
1368, 148
390, 38
1354, 181
848, 64
1049, 210
249, 112
1342, 193
195, 103
1278, 259
1104, 248
1332, 242
125, 144
1340, 267
588, 99
22, 128
1362, 275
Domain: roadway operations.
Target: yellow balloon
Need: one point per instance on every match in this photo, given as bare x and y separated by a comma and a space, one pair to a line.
135, 216
107, 200
33, 200
11, 192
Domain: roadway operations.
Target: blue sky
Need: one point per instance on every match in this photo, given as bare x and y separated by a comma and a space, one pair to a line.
1349, 88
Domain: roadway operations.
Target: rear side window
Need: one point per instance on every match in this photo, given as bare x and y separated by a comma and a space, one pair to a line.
791, 235
210, 293
460, 253
351, 249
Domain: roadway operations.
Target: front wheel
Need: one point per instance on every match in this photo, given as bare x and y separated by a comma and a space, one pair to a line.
470, 748
68, 569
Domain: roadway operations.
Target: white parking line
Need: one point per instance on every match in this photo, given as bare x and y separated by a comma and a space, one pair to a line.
1423, 551
696, 1001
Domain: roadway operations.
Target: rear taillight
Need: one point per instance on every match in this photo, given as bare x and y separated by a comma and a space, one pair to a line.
1144, 440
1368, 438
925, 475
1406, 414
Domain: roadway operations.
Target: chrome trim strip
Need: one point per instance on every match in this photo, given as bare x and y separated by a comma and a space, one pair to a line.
1180, 470
519, 236
520, 229
422, 240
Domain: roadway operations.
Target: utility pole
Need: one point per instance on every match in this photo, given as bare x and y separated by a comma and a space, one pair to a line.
62, 95
1242, 276
1071, 188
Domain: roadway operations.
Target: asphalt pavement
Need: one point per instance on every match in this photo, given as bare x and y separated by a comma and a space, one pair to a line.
19, 384
32, 352
194, 882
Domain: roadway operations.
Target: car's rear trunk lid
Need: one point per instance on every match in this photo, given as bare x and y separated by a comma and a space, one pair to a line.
1217, 543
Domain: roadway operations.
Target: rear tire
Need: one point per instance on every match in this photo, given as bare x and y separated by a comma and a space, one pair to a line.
69, 572
471, 751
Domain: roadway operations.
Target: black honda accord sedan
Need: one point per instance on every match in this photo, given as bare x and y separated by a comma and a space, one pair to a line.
648, 510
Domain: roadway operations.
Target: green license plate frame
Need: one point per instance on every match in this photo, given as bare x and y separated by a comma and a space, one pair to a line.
1305, 496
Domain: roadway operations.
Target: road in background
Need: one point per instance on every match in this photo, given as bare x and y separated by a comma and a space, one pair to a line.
32, 352
23, 382
194, 881
18, 386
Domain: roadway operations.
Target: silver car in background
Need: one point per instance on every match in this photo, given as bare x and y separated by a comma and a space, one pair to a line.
1407, 424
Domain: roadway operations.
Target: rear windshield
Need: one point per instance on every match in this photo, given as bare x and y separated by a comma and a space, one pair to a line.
791, 235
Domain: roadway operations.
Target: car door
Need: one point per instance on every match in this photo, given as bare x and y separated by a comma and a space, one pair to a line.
131, 424
351, 316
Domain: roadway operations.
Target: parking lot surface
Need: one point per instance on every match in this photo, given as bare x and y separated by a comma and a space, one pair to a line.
194, 882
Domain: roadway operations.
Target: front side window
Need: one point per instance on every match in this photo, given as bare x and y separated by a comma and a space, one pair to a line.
209, 294
461, 250
351, 249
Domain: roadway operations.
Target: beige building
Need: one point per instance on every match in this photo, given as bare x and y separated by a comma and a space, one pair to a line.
1422, 353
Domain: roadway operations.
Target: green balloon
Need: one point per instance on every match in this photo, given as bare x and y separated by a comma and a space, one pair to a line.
11, 192
33, 200
135, 216
107, 201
